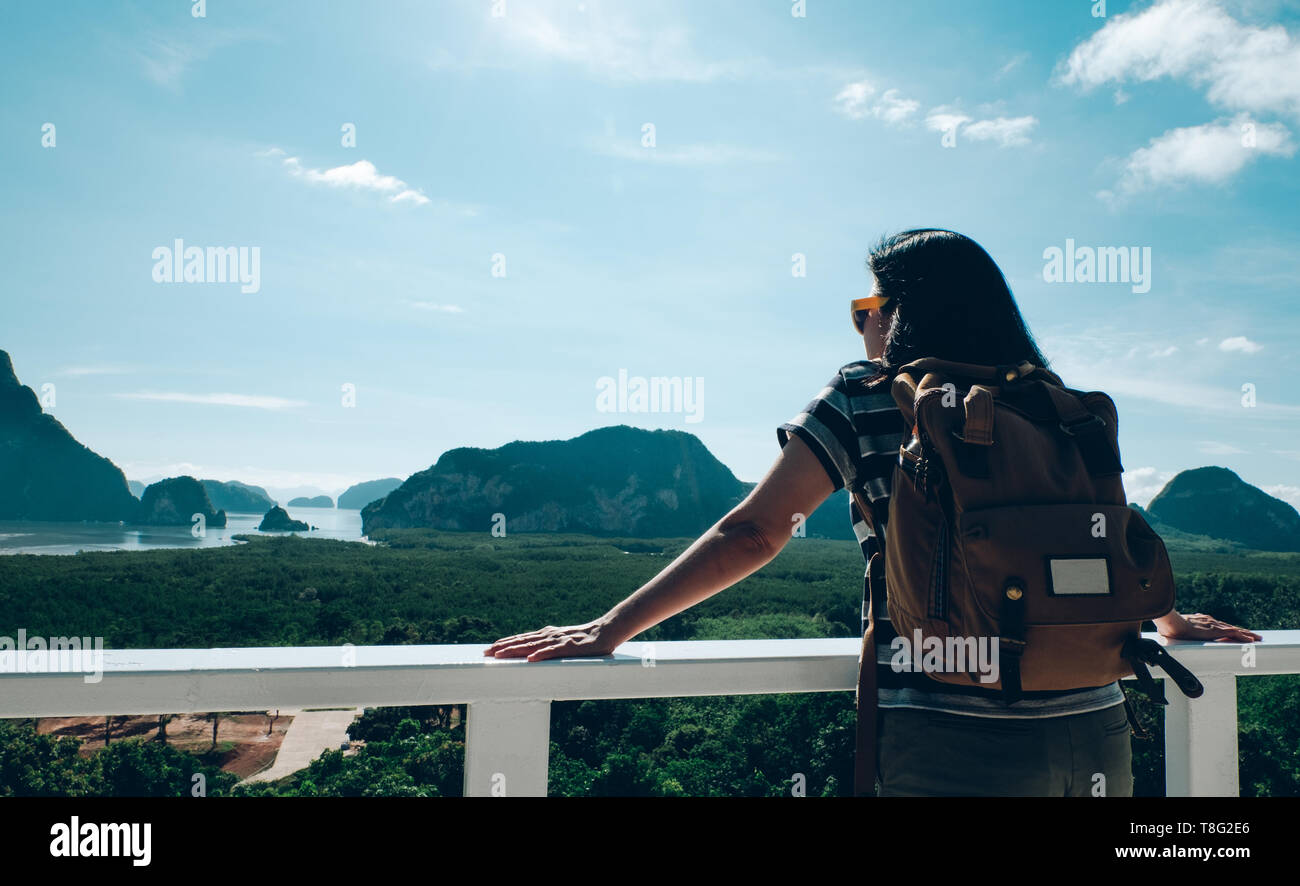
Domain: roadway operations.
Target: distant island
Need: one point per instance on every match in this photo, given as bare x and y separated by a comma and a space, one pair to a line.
175, 501
238, 498
316, 501
358, 496
278, 520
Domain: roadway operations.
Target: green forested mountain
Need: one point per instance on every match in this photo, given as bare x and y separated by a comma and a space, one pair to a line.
612, 480
175, 501
362, 494
45, 474
1215, 502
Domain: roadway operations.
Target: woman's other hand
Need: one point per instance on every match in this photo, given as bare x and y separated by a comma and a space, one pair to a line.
574, 641
1200, 626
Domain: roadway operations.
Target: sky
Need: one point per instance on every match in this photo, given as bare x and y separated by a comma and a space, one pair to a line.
468, 218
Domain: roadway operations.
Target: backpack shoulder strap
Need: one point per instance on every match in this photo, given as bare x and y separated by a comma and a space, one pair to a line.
867, 699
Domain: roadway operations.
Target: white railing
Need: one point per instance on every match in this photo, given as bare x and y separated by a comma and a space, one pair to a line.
507, 736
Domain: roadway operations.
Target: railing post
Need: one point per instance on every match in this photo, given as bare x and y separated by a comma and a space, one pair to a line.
1201, 740
507, 748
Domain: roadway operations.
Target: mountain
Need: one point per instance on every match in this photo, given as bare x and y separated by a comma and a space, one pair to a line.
610, 481
362, 494
174, 501
1217, 503
316, 501
237, 498
136, 487
277, 519
45, 474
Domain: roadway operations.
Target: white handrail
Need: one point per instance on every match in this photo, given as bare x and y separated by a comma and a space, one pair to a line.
507, 733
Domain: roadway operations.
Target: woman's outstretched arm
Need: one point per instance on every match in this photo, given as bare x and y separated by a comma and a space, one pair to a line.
740, 543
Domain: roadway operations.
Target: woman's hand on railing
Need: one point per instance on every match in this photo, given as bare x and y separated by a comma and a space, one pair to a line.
1199, 626
574, 641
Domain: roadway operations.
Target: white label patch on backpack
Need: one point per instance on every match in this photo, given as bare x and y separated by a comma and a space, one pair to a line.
1079, 576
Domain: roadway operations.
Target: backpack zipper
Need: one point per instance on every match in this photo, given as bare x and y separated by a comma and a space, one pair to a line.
939, 574
927, 480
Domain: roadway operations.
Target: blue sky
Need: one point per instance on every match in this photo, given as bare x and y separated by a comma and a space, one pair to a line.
519, 143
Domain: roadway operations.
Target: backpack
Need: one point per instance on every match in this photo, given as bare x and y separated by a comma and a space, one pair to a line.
1011, 543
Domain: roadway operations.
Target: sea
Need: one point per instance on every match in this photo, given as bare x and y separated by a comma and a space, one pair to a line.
33, 537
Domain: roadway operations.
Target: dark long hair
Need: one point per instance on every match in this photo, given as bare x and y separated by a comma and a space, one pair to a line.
949, 300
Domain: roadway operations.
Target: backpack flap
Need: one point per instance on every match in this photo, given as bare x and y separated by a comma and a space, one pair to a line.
1076, 564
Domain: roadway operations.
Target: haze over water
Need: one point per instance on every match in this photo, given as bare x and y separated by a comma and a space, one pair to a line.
31, 537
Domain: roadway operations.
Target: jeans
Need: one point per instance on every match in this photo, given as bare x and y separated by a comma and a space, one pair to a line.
931, 754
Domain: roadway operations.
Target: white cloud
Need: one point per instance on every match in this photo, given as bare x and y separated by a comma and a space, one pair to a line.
409, 195
253, 401
361, 175
1007, 131
684, 155
165, 58
1211, 153
432, 306
1214, 447
893, 108
1095, 360
1288, 494
1142, 484
80, 371
601, 38
944, 118
1165, 352
1241, 67
858, 101
1014, 62
1240, 343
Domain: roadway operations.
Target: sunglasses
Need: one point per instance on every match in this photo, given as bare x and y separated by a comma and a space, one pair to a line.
860, 307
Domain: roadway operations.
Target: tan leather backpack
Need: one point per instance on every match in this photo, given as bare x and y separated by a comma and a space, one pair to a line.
1010, 540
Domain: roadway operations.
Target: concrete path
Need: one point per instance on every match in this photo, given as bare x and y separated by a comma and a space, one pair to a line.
309, 735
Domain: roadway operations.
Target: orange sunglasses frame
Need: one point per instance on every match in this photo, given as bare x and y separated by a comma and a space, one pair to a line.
865, 304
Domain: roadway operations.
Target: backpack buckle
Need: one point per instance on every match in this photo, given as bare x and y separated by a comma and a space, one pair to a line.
1092, 423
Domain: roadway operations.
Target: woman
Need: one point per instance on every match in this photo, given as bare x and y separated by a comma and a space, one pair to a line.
936, 294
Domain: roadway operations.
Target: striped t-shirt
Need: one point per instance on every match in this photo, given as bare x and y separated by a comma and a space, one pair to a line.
856, 434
